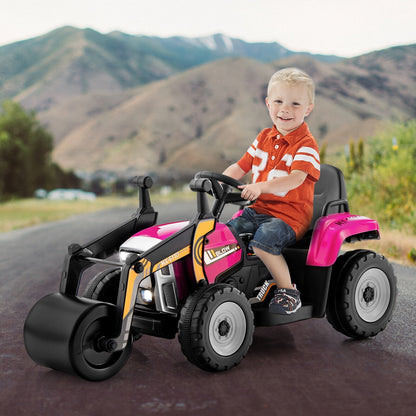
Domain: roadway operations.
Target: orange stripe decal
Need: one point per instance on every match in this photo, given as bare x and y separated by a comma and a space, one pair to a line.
202, 229
172, 258
132, 285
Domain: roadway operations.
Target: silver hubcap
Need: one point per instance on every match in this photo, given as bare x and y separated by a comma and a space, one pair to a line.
372, 296
227, 328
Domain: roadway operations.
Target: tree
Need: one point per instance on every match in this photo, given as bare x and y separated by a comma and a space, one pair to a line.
25, 153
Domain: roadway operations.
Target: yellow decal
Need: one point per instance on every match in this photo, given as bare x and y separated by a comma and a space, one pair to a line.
203, 228
146, 266
170, 259
132, 285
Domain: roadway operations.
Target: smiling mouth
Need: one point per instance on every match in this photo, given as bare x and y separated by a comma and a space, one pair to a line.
285, 118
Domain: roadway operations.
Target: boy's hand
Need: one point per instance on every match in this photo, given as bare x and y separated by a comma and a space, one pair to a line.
250, 192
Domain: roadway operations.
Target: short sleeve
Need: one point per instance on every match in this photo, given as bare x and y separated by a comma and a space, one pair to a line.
307, 159
246, 161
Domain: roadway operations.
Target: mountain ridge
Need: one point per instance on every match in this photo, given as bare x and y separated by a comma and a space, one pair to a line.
75, 61
134, 104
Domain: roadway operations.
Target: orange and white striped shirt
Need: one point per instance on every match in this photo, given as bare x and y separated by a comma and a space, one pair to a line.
273, 155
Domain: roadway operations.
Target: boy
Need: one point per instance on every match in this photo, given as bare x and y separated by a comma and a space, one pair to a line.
284, 161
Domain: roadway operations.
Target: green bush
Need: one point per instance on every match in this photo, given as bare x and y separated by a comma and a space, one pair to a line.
385, 187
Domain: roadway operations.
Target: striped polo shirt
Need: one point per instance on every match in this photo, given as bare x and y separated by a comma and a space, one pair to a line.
273, 155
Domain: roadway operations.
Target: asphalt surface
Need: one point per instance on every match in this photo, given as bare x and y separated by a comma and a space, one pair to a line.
305, 368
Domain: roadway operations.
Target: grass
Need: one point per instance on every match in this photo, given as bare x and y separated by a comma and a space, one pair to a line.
28, 212
393, 244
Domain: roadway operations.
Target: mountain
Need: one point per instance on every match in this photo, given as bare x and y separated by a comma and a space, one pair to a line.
45, 70
200, 117
136, 104
220, 43
206, 117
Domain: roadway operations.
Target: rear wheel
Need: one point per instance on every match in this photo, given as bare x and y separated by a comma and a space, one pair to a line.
362, 295
216, 327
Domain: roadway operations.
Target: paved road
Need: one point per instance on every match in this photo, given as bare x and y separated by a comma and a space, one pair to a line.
305, 368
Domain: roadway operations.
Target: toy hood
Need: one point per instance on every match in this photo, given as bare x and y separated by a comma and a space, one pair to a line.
221, 249
149, 237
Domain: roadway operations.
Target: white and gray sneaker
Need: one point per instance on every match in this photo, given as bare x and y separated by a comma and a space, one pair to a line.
285, 301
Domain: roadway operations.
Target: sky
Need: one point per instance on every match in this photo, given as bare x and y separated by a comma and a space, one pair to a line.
345, 28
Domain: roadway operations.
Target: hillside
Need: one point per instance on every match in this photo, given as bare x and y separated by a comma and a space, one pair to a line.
43, 71
135, 104
179, 124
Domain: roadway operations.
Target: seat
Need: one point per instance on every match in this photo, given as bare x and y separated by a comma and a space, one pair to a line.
330, 197
330, 194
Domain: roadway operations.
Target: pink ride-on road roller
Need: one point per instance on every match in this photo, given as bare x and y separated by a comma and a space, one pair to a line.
199, 280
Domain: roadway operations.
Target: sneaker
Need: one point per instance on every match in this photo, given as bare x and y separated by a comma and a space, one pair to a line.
285, 301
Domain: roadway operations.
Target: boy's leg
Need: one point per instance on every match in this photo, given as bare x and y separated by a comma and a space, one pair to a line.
270, 238
277, 266
272, 235
244, 223
286, 298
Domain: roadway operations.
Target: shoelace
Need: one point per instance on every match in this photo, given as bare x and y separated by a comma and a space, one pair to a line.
285, 299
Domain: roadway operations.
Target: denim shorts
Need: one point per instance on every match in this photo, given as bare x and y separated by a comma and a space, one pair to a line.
271, 234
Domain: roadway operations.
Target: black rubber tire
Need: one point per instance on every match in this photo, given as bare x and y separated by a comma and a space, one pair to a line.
62, 332
362, 294
216, 327
338, 271
104, 286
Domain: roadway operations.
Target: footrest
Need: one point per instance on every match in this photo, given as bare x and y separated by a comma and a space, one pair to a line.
262, 316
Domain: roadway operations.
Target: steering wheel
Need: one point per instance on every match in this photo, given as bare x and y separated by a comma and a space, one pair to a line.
221, 192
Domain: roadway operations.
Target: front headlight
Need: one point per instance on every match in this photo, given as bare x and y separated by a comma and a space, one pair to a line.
146, 295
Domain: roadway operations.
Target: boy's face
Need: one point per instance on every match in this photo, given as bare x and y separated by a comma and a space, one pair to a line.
288, 106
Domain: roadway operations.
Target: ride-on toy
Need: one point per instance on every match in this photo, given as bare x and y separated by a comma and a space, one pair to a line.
198, 279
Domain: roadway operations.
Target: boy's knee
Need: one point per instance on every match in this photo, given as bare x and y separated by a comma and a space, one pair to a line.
262, 253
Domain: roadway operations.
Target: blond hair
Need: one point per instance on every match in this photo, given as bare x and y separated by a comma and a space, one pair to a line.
294, 76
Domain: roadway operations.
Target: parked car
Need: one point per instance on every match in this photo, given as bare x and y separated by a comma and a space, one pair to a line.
71, 195
41, 193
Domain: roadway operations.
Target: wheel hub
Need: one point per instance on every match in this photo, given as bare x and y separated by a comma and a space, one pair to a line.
227, 328
372, 295
224, 328
104, 344
368, 294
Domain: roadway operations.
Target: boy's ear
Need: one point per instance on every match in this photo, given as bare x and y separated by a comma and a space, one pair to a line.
309, 109
267, 101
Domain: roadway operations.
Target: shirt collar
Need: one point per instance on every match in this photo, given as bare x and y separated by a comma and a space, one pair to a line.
294, 135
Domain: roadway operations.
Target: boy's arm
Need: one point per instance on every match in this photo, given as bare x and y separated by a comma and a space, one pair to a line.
277, 185
234, 171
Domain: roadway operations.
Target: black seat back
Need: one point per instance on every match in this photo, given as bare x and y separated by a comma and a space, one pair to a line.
330, 195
